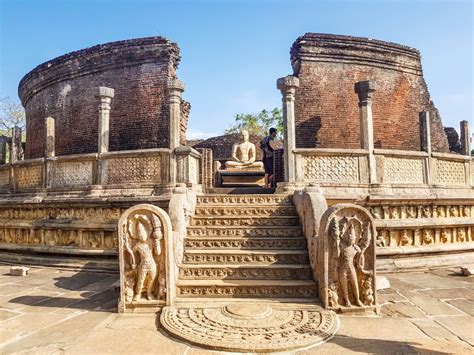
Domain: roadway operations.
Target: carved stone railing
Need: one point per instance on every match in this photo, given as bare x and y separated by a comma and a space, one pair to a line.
401, 167
393, 167
451, 170
135, 166
71, 171
121, 168
188, 163
324, 165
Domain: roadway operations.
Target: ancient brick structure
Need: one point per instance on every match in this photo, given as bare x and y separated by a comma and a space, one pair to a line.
453, 139
138, 71
326, 107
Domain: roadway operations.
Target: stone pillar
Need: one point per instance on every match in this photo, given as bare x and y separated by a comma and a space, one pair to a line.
364, 90
50, 137
425, 130
105, 96
465, 138
175, 90
16, 149
3, 149
287, 86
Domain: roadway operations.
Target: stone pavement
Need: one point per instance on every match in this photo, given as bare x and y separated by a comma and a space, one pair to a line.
56, 311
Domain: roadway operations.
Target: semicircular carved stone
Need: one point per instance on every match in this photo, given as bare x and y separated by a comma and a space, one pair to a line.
250, 327
346, 259
145, 256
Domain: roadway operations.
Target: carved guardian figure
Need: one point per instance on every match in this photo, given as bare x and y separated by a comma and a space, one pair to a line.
144, 233
346, 259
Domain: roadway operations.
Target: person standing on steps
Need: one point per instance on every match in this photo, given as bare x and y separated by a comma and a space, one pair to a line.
267, 148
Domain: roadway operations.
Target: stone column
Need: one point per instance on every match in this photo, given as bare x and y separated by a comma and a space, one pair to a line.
465, 138
16, 149
49, 124
287, 86
425, 128
105, 96
3, 149
175, 90
364, 90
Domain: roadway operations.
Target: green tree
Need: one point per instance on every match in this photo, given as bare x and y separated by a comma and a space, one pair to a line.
12, 115
258, 124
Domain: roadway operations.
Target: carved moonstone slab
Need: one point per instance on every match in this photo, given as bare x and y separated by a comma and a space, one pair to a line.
346, 259
146, 274
250, 327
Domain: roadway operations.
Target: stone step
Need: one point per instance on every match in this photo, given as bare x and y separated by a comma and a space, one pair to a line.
243, 211
245, 272
226, 199
246, 256
245, 243
248, 231
229, 221
247, 288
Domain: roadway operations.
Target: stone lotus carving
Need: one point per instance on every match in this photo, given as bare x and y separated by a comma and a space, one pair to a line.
346, 258
144, 233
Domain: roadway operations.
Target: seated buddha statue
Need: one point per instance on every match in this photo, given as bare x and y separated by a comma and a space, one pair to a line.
244, 155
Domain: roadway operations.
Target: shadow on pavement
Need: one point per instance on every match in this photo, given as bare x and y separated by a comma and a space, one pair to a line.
84, 290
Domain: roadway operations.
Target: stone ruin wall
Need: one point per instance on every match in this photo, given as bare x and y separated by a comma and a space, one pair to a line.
326, 106
63, 88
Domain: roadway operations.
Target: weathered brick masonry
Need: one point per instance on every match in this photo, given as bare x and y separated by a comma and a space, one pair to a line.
326, 105
65, 89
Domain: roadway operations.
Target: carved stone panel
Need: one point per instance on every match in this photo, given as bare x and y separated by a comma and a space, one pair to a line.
403, 170
71, 173
331, 169
145, 234
134, 169
449, 172
28, 176
346, 259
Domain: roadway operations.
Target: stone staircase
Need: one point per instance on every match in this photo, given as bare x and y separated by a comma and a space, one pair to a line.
246, 246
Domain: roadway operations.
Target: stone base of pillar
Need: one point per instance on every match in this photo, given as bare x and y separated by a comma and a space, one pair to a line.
289, 187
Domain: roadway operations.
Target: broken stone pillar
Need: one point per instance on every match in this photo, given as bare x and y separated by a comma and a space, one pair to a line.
50, 137
175, 90
425, 132
3, 149
287, 86
16, 152
105, 96
364, 90
465, 138
425, 125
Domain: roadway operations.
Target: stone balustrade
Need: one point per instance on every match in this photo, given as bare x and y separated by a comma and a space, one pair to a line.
121, 168
393, 167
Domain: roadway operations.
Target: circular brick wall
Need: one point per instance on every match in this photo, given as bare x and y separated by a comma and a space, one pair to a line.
326, 106
65, 88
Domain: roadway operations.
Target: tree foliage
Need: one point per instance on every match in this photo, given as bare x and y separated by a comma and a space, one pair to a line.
12, 115
258, 124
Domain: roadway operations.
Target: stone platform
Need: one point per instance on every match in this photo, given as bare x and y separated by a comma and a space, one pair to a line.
239, 178
57, 311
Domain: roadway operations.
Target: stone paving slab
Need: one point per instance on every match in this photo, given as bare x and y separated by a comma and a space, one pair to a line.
68, 312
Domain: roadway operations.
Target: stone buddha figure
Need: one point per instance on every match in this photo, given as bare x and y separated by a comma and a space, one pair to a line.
244, 155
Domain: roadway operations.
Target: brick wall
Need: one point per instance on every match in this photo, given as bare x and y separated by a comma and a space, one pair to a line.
65, 89
326, 106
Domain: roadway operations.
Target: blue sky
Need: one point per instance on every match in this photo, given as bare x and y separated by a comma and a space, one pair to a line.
233, 51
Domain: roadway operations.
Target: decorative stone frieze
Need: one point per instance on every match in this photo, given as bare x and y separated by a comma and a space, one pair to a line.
346, 259
145, 256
